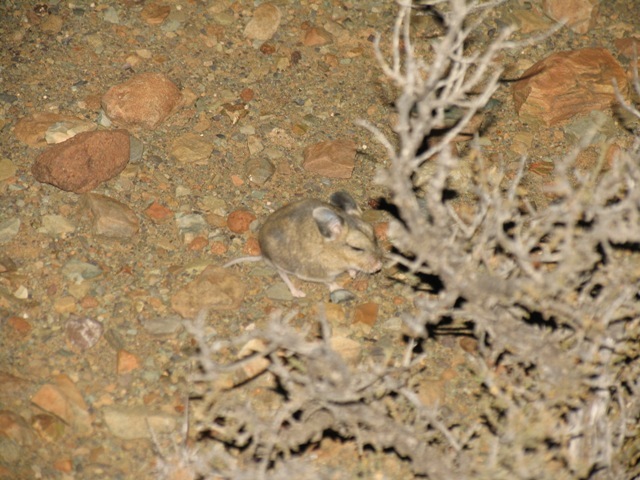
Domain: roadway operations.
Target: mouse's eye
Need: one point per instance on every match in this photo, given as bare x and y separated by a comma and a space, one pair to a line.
356, 249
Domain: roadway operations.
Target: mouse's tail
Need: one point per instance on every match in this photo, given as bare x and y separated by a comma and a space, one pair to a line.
257, 258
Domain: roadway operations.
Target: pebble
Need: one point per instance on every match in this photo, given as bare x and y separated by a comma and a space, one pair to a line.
9, 229
366, 313
155, 13
85, 161
111, 218
238, 221
598, 125
333, 159
144, 101
63, 399
191, 148
566, 84
264, 23
259, 170
190, 223
136, 422
215, 288
31, 130
127, 362
279, 292
579, 15
7, 169
316, 37
341, 296
165, 325
56, 225
78, 271
83, 332
61, 131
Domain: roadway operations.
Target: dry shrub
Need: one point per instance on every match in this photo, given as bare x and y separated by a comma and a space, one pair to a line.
551, 295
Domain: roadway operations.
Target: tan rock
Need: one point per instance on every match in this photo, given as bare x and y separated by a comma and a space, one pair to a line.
154, 13
32, 130
216, 288
334, 159
111, 218
579, 15
143, 101
568, 83
315, 37
83, 162
191, 148
63, 400
265, 22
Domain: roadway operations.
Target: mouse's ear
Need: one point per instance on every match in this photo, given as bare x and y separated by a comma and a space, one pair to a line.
329, 222
345, 202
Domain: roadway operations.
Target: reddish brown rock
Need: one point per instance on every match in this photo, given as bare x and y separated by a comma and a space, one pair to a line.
145, 100
238, 221
579, 15
83, 162
64, 400
568, 83
335, 159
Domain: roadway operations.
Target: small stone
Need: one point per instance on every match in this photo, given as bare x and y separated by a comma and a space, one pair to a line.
158, 213
83, 162
9, 229
64, 400
32, 130
48, 427
7, 169
366, 313
259, 170
628, 46
127, 362
56, 225
145, 100
341, 296
316, 36
333, 159
215, 288
167, 325
111, 218
61, 131
52, 24
83, 332
78, 271
246, 95
64, 465
238, 221
154, 13
265, 22
130, 423
568, 83
579, 15
191, 148
20, 326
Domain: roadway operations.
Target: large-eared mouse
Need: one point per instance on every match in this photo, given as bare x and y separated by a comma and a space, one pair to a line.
317, 241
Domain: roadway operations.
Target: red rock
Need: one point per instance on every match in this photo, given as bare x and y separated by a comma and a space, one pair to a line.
64, 465
19, 325
579, 15
366, 313
127, 362
158, 212
252, 247
145, 100
238, 221
568, 83
83, 162
334, 159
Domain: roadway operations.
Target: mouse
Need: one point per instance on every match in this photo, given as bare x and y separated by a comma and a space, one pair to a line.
317, 241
